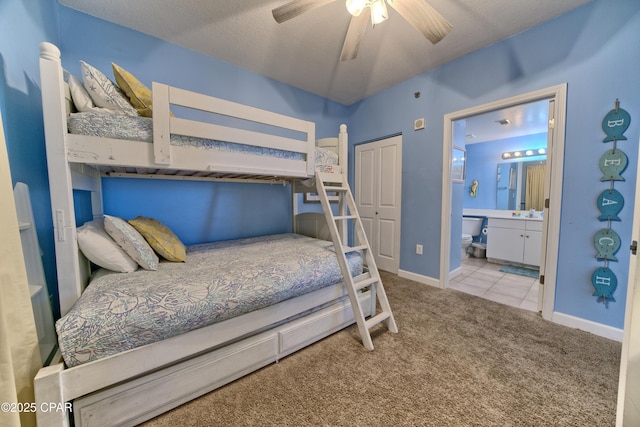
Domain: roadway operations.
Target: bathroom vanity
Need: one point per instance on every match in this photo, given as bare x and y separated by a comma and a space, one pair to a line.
515, 240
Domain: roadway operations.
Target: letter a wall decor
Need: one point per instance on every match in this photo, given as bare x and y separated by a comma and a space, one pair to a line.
610, 202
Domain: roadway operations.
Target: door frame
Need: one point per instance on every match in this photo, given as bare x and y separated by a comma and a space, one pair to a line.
397, 242
628, 409
558, 94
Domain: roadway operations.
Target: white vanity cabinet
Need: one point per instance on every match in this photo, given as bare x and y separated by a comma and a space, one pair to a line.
515, 240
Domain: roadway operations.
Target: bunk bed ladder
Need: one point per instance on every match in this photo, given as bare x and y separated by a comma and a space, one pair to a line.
337, 184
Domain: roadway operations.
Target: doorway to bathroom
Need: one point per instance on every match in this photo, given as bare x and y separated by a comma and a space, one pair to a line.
555, 100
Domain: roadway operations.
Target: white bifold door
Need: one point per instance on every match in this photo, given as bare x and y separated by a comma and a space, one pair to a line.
378, 189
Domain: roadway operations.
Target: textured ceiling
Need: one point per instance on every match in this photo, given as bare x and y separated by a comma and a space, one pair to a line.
524, 119
304, 52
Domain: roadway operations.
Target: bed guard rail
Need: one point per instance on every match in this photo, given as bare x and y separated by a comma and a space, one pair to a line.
165, 124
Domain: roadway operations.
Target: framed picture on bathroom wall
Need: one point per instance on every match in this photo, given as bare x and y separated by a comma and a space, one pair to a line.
458, 163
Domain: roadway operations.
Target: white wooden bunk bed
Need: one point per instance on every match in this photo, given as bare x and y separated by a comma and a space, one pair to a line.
137, 384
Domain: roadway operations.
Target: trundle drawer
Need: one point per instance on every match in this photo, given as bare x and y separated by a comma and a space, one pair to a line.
139, 400
321, 324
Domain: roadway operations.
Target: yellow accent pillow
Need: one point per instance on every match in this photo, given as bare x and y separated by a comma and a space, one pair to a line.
160, 238
139, 95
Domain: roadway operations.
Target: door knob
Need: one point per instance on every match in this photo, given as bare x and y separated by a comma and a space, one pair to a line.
634, 247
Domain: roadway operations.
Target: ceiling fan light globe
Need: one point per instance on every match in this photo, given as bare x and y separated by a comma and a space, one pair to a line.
379, 11
355, 7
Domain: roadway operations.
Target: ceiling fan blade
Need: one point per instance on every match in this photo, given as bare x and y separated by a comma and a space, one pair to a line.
357, 27
296, 8
423, 17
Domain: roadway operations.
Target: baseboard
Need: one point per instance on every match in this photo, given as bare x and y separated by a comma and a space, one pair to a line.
455, 273
588, 326
419, 278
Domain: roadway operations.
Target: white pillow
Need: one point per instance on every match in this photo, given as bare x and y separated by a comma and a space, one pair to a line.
131, 241
104, 92
102, 250
81, 98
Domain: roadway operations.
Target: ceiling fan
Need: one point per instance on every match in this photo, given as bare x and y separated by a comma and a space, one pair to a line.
418, 13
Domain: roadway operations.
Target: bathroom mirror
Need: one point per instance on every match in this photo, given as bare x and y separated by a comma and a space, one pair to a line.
520, 185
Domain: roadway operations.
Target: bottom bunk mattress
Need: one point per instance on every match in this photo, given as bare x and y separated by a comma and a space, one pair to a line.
220, 280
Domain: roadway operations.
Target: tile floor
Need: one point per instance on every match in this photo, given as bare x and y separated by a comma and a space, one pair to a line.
484, 279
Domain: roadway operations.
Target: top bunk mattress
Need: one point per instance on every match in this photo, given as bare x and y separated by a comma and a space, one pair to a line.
220, 280
141, 129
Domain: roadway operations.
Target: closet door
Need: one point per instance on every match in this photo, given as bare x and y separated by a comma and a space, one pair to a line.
378, 188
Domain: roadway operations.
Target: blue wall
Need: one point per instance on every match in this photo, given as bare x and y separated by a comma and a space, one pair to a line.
590, 49
200, 211
23, 25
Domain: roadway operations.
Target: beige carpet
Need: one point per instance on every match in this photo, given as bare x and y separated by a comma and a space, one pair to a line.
458, 360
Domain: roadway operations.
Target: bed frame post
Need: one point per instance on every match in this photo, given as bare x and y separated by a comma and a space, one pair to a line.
51, 408
60, 185
161, 128
343, 149
294, 207
311, 150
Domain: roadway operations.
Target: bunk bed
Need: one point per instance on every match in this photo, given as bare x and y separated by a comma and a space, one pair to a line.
138, 382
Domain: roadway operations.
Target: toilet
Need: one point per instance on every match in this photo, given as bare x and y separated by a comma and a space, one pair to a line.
470, 228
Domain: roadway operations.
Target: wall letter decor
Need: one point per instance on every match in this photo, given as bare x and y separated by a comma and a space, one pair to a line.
610, 202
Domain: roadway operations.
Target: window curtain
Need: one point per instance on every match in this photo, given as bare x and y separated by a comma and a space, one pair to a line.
534, 198
19, 351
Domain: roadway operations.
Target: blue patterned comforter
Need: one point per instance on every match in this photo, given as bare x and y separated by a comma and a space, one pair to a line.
141, 129
220, 280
